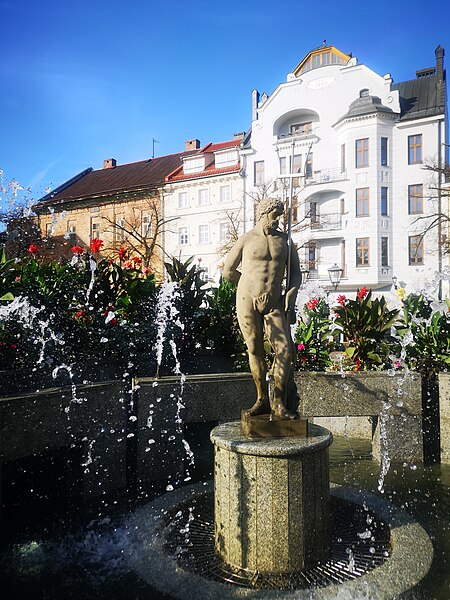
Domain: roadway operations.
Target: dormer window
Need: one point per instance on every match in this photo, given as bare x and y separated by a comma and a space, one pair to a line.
363, 93
194, 165
226, 159
321, 57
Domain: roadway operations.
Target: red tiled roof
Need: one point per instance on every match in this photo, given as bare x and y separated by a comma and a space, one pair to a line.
145, 174
177, 174
208, 172
220, 146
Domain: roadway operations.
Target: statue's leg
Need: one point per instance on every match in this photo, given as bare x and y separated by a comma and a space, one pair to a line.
280, 339
251, 324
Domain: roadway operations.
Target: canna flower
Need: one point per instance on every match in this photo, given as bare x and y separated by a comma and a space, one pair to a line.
311, 304
300, 346
77, 250
122, 253
33, 249
137, 260
341, 299
96, 244
146, 271
362, 293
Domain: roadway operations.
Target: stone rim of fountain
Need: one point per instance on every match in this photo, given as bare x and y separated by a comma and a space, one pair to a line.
410, 559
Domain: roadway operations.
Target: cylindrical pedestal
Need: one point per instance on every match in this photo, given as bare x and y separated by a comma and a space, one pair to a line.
271, 499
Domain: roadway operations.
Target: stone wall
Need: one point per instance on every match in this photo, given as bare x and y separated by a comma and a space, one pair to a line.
130, 434
394, 404
444, 414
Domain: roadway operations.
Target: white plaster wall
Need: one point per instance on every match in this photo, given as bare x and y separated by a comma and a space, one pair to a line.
195, 215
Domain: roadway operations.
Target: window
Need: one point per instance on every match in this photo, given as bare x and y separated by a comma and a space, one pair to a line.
95, 230
309, 165
301, 128
224, 232
146, 226
71, 232
312, 256
362, 153
384, 201
415, 199
226, 159
384, 152
225, 193
362, 202
343, 158
183, 237
283, 163
194, 165
259, 172
362, 252
295, 209
416, 249
203, 197
203, 234
296, 167
204, 274
313, 213
384, 252
414, 149
364, 93
119, 233
183, 200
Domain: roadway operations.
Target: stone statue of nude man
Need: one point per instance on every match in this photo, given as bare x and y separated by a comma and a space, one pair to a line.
262, 254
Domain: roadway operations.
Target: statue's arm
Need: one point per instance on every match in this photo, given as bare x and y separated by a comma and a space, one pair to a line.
232, 261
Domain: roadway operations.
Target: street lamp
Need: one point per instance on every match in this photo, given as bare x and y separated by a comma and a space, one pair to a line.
335, 273
304, 271
394, 281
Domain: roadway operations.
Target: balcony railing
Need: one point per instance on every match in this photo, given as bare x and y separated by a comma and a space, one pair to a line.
326, 222
325, 176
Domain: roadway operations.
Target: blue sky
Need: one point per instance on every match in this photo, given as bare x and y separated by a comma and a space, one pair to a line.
87, 80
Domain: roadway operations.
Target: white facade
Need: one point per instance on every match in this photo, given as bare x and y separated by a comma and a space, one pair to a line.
358, 191
203, 201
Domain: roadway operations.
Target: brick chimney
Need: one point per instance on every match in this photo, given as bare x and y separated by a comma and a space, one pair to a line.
192, 145
109, 163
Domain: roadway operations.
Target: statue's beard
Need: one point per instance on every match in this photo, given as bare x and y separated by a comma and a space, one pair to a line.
272, 225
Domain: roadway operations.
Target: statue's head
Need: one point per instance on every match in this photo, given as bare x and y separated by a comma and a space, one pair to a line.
269, 211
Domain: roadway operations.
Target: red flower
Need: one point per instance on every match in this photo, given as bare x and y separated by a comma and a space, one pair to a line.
96, 245
122, 253
33, 249
362, 293
78, 250
146, 271
300, 346
18, 278
311, 304
341, 299
128, 264
137, 260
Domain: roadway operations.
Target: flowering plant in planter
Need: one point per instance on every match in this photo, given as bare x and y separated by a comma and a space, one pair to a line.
313, 338
366, 324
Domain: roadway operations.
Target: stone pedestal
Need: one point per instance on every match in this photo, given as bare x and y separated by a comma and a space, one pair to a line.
271, 499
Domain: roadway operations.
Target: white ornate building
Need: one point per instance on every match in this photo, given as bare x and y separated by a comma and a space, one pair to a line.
357, 144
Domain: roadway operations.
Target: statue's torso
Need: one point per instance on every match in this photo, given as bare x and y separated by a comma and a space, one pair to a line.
263, 264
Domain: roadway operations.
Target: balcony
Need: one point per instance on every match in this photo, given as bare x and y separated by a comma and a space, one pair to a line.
325, 176
326, 222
